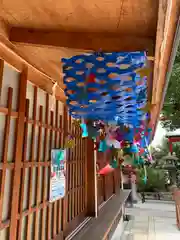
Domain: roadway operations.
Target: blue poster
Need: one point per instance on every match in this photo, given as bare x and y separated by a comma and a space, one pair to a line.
58, 174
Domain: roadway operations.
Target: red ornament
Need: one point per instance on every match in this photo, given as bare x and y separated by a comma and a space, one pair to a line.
107, 169
91, 78
53, 174
141, 151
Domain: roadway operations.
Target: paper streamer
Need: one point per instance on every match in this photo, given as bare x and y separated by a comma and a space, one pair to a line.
145, 174
84, 130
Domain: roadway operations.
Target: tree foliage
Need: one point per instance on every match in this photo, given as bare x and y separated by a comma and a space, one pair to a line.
156, 180
171, 109
160, 151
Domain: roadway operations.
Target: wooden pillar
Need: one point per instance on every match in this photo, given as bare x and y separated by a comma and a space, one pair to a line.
1, 74
18, 153
105, 187
116, 180
65, 199
91, 180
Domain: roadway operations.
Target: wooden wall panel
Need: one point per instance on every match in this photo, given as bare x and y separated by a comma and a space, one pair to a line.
107, 185
29, 129
25, 177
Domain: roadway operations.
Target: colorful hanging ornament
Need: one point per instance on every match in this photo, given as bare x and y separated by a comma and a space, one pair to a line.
148, 107
145, 179
136, 159
114, 163
102, 134
143, 72
70, 142
76, 123
141, 151
106, 170
145, 175
91, 78
84, 130
94, 88
103, 146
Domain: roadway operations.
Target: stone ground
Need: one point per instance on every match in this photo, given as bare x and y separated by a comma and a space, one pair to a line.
149, 227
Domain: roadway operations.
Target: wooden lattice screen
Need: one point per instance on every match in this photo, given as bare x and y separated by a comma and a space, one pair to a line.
28, 131
108, 184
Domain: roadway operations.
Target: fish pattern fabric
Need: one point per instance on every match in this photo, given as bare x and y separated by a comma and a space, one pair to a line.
106, 86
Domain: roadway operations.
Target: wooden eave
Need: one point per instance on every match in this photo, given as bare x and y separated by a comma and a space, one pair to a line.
168, 16
39, 33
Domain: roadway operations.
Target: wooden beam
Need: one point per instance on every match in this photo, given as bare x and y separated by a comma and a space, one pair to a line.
164, 46
82, 40
159, 40
1, 75
18, 153
11, 55
91, 181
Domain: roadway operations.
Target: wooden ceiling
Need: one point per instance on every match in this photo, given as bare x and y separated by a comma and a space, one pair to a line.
137, 17
44, 31
38, 33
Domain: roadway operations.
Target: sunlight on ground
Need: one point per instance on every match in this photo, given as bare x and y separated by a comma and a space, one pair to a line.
150, 226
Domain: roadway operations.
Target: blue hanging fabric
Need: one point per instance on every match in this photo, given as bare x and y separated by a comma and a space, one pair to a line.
111, 91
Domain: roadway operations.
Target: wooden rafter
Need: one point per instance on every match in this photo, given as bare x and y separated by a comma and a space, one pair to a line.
11, 55
82, 40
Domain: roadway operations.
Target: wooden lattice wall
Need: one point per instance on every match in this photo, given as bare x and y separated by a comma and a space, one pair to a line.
110, 183
28, 131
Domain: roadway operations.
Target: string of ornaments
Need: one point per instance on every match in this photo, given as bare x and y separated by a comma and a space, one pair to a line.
107, 98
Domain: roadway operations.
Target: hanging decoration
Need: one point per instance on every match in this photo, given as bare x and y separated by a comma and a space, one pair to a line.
112, 92
69, 142
84, 130
103, 146
107, 97
76, 123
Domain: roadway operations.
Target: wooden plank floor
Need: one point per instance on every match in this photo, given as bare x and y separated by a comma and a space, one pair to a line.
99, 228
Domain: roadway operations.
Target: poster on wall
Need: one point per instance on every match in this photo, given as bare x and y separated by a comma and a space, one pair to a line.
58, 174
